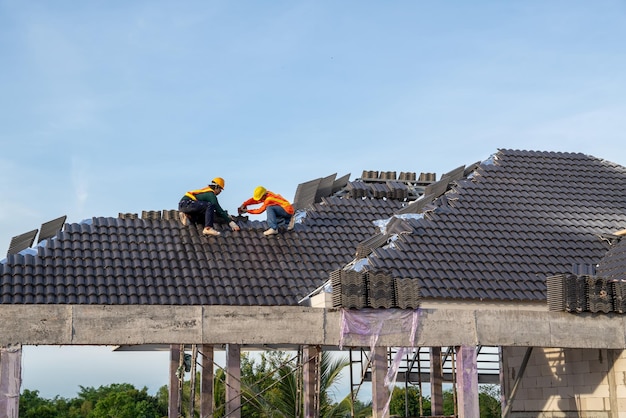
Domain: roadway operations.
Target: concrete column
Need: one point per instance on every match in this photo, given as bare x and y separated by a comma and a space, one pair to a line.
233, 381
614, 404
311, 381
380, 393
10, 380
206, 382
436, 382
174, 400
467, 382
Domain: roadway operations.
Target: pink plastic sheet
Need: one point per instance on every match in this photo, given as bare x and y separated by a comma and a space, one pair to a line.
363, 328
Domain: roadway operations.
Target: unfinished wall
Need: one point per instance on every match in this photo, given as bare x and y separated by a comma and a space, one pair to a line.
566, 383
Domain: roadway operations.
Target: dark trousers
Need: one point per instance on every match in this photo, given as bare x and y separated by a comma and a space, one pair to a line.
198, 209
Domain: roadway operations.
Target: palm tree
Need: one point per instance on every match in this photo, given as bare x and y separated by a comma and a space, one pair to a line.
281, 398
269, 387
330, 372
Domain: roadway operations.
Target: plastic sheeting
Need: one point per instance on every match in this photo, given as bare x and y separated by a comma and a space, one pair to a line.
363, 327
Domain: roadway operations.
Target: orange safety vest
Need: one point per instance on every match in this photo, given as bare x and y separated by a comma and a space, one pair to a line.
271, 199
192, 194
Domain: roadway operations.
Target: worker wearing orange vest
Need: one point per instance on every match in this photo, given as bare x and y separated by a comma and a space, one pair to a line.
204, 202
279, 210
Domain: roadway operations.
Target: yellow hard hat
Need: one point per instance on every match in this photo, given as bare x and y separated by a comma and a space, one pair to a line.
218, 181
259, 192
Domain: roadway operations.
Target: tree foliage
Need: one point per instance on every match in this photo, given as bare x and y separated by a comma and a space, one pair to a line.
409, 398
113, 401
488, 402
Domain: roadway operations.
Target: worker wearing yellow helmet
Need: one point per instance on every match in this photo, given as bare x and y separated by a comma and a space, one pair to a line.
279, 210
201, 205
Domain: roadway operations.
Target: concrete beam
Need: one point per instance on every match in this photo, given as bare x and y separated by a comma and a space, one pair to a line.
274, 325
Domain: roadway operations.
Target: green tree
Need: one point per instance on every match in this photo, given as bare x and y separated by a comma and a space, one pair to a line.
448, 402
114, 401
411, 394
33, 406
163, 398
269, 386
124, 401
331, 369
266, 384
285, 401
489, 401
361, 409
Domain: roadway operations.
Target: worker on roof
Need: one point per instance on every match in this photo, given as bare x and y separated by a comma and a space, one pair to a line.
203, 202
279, 210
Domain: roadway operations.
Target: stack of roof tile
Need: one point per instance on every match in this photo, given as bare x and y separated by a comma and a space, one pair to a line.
397, 190
364, 248
369, 174
379, 190
584, 293
408, 176
357, 189
380, 290
427, 177
600, 294
407, 293
555, 292
619, 292
387, 175
335, 282
353, 289
576, 293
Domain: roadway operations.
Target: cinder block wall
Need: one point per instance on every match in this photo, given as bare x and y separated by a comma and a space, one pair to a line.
564, 383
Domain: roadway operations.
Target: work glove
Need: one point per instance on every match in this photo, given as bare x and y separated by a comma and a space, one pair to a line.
233, 225
242, 209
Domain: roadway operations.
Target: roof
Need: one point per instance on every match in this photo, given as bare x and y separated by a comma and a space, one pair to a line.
520, 217
155, 260
492, 230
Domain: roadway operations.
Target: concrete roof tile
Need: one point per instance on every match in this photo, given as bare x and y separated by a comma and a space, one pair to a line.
496, 235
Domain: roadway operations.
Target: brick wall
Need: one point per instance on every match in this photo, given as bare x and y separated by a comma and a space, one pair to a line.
564, 383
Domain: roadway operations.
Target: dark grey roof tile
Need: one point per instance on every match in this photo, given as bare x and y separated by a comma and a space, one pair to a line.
529, 215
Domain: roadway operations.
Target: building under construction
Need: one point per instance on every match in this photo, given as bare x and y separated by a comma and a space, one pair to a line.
417, 277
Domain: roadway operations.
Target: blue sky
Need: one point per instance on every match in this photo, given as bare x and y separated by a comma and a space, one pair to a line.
122, 106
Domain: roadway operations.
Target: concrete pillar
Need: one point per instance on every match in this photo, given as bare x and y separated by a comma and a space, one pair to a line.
614, 404
467, 382
436, 382
311, 381
174, 399
206, 382
10, 380
380, 393
233, 381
